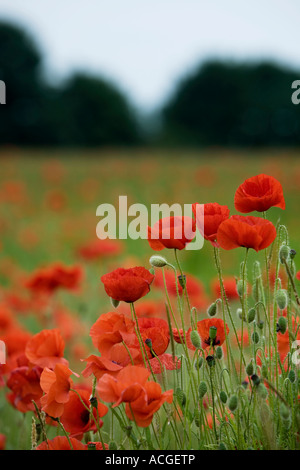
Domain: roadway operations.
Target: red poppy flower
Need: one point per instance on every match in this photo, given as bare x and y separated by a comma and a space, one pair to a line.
172, 232
157, 331
203, 327
298, 275
248, 232
2, 441
46, 349
76, 418
208, 218
61, 443
111, 329
56, 385
229, 286
259, 193
24, 382
51, 278
100, 248
127, 285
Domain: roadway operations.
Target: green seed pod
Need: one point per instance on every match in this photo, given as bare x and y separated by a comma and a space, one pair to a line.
112, 446
181, 397
282, 325
284, 412
263, 392
251, 315
212, 309
213, 332
158, 261
250, 369
115, 303
202, 389
292, 376
281, 298
240, 287
264, 371
222, 446
219, 352
260, 324
210, 361
223, 397
198, 363
255, 337
284, 253
255, 379
195, 339
233, 403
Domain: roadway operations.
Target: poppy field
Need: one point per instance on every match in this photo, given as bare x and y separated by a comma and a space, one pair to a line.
141, 344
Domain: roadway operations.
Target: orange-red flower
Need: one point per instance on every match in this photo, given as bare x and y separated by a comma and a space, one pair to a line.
56, 384
76, 418
53, 277
24, 382
100, 248
111, 329
229, 286
172, 232
259, 193
127, 285
248, 232
46, 349
61, 443
2, 441
203, 327
208, 218
131, 386
157, 331
298, 275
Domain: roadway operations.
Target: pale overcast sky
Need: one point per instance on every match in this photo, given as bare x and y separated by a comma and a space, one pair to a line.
146, 45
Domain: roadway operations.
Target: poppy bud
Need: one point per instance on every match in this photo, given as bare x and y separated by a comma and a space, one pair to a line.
222, 446
181, 397
255, 379
255, 337
293, 254
233, 403
281, 298
202, 389
251, 315
197, 417
281, 325
210, 361
263, 392
182, 280
212, 332
198, 363
212, 309
240, 287
115, 303
292, 376
112, 446
219, 352
223, 397
260, 324
264, 371
250, 369
284, 253
195, 339
158, 261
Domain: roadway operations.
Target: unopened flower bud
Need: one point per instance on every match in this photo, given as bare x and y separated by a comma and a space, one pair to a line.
255, 337
264, 371
284, 253
255, 379
281, 298
195, 339
292, 376
202, 389
181, 397
240, 287
115, 303
282, 325
158, 261
210, 361
250, 369
219, 352
251, 315
198, 363
223, 397
212, 309
233, 403
197, 417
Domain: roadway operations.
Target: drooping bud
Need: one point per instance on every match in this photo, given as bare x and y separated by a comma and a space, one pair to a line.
181, 397
219, 352
198, 363
250, 369
260, 324
202, 390
233, 403
251, 315
195, 339
115, 303
282, 325
158, 261
223, 397
284, 253
281, 298
292, 376
212, 309
255, 337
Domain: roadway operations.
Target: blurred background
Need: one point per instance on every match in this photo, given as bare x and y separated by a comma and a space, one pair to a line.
160, 73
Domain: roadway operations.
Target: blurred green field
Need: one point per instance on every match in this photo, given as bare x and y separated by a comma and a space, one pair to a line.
48, 204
